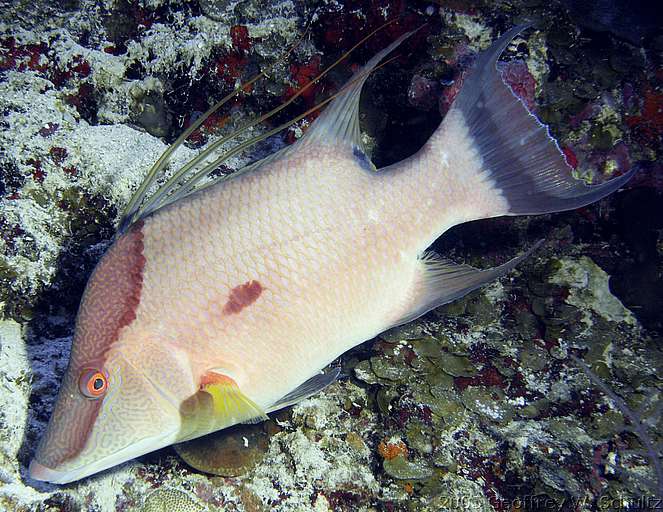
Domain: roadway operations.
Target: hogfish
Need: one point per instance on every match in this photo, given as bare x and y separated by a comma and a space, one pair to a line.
225, 304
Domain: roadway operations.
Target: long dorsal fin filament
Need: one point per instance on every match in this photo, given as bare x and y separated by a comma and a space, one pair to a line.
140, 205
132, 211
193, 183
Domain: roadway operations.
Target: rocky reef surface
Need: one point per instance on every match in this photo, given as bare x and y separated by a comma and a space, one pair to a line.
539, 392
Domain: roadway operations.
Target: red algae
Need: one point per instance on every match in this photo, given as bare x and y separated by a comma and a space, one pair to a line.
303, 74
38, 174
58, 154
48, 129
648, 126
240, 37
40, 58
517, 76
23, 57
487, 377
570, 157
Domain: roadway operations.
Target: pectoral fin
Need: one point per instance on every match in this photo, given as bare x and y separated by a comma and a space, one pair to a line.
439, 282
229, 403
219, 403
309, 388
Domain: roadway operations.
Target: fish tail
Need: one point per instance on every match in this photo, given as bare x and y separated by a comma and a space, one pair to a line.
505, 151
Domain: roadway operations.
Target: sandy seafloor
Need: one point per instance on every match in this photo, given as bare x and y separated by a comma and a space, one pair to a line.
480, 404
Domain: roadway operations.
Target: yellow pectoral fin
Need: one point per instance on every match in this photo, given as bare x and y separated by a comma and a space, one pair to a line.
218, 404
229, 404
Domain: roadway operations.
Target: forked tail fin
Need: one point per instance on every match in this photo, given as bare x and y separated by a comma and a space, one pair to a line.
489, 157
518, 155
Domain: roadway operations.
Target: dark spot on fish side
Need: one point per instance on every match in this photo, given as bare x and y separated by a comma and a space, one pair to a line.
362, 159
242, 296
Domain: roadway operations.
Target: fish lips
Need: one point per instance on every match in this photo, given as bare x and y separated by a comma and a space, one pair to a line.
40, 472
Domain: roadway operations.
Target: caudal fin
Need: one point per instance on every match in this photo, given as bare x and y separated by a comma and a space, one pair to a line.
518, 155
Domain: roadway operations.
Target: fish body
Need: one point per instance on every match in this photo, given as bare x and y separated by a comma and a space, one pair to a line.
271, 285
213, 309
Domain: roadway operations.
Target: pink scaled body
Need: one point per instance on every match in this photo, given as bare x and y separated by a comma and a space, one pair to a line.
226, 304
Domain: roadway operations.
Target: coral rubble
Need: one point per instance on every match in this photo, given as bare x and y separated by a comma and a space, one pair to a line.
512, 398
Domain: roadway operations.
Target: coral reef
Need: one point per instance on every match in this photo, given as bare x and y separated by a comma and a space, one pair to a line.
538, 392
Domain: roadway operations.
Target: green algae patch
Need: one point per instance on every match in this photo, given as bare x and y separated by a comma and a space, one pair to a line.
457, 366
402, 469
488, 403
387, 370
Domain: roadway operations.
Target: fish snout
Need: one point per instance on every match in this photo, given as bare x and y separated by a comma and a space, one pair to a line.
38, 471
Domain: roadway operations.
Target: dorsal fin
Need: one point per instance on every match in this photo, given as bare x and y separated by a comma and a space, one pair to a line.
341, 116
339, 122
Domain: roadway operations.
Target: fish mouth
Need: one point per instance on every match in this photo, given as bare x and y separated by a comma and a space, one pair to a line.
37, 471
40, 472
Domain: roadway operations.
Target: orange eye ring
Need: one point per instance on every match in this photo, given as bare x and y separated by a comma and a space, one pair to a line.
93, 383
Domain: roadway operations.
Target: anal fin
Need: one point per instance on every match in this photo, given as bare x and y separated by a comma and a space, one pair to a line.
440, 281
309, 388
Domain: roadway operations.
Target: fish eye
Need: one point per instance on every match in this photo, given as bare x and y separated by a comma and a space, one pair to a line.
93, 383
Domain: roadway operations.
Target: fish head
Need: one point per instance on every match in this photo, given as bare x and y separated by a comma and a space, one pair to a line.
115, 402
105, 414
